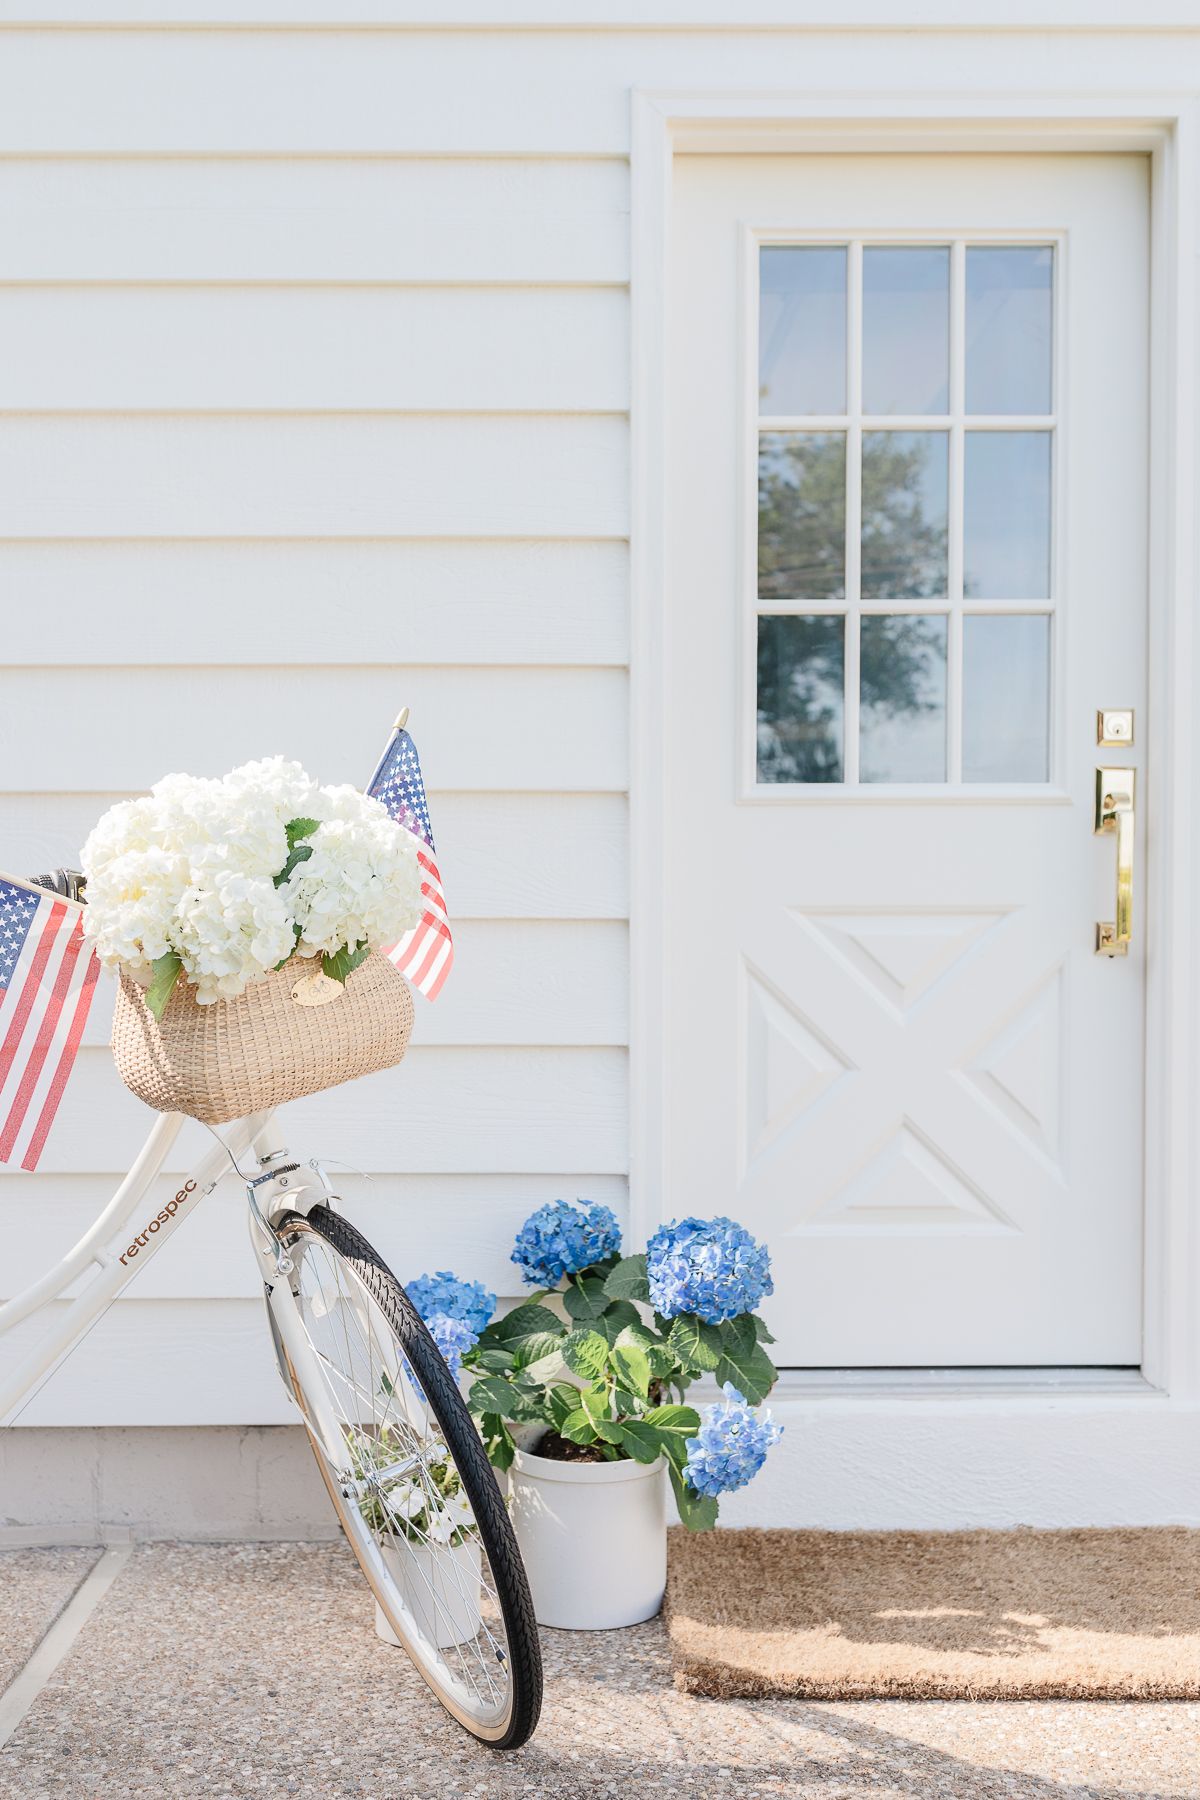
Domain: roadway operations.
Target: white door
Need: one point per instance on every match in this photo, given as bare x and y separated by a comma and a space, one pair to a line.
906, 566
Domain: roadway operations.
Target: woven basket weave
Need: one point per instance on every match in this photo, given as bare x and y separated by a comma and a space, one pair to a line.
238, 1057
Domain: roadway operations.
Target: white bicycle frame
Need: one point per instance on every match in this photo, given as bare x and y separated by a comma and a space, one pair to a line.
132, 1229
281, 1185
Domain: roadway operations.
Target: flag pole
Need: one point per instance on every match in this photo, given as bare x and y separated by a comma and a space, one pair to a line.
401, 721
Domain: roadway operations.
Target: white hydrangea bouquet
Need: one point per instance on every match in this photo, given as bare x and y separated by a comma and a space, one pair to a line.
221, 881
203, 890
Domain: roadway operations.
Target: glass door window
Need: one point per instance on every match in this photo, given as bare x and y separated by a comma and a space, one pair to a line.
906, 446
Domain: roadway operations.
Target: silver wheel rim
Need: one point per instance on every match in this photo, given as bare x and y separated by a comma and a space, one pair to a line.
397, 1491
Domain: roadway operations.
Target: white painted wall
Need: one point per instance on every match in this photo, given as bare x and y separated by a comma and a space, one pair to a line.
314, 384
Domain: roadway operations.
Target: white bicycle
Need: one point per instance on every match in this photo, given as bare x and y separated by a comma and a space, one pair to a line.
395, 1444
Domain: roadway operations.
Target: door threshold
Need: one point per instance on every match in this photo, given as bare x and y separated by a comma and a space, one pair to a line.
805, 1384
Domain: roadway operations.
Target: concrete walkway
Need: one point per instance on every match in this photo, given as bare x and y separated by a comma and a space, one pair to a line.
247, 1669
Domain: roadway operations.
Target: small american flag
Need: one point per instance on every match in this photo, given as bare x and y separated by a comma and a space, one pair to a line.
426, 953
47, 979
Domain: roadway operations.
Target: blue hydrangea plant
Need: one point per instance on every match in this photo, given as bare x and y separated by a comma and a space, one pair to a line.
607, 1366
455, 1311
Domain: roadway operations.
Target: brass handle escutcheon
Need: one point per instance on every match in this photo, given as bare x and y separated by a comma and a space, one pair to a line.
1114, 814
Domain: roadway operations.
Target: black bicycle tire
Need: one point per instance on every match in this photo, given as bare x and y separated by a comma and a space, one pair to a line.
466, 1447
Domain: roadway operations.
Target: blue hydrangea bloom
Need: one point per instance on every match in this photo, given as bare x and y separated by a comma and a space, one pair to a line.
444, 1293
731, 1446
560, 1239
453, 1338
710, 1267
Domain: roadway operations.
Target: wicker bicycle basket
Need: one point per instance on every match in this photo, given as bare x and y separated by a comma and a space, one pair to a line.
238, 1057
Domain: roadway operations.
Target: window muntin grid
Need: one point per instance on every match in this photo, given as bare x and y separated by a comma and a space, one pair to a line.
833, 545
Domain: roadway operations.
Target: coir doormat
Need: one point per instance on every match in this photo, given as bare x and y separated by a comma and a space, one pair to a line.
964, 1615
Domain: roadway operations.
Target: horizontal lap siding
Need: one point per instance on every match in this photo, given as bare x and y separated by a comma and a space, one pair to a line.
283, 444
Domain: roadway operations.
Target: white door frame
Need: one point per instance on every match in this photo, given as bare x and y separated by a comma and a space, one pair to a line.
1168, 128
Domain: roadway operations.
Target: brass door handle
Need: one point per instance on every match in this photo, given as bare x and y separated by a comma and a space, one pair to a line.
1115, 814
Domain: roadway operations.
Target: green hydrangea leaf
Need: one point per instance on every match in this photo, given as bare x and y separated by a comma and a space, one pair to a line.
739, 1334
578, 1428
585, 1354
561, 1401
753, 1375
675, 1425
640, 1440
345, 962
632, 1367
167, 970
697, 1345
616, 1316
536, 1347
585, 1299
697, 1511
522, 1322
627, 1281
492, 1394
497, 1441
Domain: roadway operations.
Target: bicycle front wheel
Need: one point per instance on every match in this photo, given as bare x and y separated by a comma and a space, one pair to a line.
414, 1490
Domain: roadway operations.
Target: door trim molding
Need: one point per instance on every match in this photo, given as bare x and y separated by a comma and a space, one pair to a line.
1167, 127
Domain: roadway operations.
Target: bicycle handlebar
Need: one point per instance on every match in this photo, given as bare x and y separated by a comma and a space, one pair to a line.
70, 883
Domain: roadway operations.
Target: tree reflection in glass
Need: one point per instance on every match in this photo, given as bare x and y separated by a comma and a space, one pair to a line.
802, 515
902, 682
905, 509
801, 677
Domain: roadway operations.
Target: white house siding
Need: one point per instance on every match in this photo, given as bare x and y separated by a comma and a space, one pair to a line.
314, 396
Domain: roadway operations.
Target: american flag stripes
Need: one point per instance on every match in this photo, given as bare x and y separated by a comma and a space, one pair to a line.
425, 955
47, 979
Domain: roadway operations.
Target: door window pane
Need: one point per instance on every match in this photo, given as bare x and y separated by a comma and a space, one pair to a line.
903, 697
801, 670
904, 514
802, 330
906, 330
1006, 523
1009, 328
802, 515
1006, 697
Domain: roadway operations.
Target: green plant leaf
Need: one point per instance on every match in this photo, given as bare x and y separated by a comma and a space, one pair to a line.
632, 1367
522, 1322
752, 1374
627, 1281
492, 1362
586, 1354
492, 1394
561, 1401
299, 828
578, 1428
640, 1440
697, 1345
535, 1347
167, 970
738, 1334
300, 854
594, 1401
584, 1298
674, 1424
616, 1316
345, 962
760, 1330
697, 1511
497, 1441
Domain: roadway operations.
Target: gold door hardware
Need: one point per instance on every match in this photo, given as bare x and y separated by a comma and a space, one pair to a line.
1114, 727
1114, 814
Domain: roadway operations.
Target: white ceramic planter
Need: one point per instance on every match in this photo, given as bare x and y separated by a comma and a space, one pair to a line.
456, 1617
593, 1537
